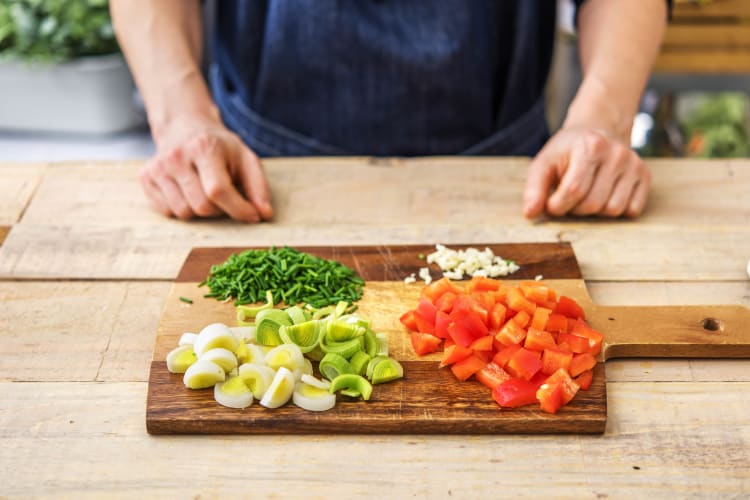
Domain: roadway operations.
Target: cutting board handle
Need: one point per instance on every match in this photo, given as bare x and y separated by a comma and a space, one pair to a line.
721, 331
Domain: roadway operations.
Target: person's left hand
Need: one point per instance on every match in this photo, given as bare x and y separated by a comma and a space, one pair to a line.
586, 172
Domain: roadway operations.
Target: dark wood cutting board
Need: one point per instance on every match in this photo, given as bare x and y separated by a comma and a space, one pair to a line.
428, 400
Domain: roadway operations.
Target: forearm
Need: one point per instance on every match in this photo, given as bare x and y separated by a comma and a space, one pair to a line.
162, 41
618, 43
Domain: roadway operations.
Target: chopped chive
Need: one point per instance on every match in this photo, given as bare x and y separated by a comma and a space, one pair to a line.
186, 300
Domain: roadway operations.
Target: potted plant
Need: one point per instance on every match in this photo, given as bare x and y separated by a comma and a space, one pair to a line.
61, 69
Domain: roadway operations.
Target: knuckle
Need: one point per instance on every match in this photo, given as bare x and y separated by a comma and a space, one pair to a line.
203, 143
594, 141
204, 208
574, 191
215, 190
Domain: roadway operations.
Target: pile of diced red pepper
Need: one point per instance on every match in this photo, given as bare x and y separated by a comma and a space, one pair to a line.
524, 342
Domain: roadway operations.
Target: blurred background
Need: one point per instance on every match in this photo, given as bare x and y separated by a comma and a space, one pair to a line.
66, 94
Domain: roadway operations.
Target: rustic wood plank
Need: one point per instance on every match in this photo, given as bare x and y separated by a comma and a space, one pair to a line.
607, 251
104, 229
17, 184
3, 233
361, 191
78, 331
653, 447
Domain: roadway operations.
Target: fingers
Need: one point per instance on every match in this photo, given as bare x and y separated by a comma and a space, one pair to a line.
541, 177
213, 163
253, 181
167, 191
189, 183
576, 182
153, 193
616, 163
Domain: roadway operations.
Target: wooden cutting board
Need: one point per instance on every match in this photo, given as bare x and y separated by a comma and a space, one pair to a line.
428, 400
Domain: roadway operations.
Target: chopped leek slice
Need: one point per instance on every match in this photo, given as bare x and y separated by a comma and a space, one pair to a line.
245, 313
250, 353
257, 378
332, 365
320, 384
267, 324
313, 398
306, 335
371, 343
222, 357
296, 314
386, 370
187, 338
215, 335
353, 382
203, 373
286, 355
233, 393
371, 365
359, 362
281, 389
345, 348
180, 358
382, 339
340, 331
244, 333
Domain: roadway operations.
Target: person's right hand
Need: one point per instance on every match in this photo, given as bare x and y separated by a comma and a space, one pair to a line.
201, 169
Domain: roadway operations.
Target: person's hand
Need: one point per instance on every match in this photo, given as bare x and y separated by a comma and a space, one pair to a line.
586, 172
201, 169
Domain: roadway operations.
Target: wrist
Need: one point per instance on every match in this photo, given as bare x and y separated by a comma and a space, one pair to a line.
598, 107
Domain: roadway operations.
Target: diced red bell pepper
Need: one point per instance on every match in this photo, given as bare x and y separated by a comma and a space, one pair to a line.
467, 367
438, 287
535, 292
550, 397
594, 337
538, 340
569, 386
515, 392
554, 359
491, 375
511, 333
503, 356
581, 363
424, 343
468, 325
540, 318
445, 302
522, 318
497, 317
483, 284
426, 309
442, 320
518, 302
407, 319
424, 325
524, 364
584, 379
569, 307
577, 344
454, 353
557, 323
483, 343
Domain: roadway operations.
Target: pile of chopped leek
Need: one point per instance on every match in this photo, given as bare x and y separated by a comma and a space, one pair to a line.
269, 357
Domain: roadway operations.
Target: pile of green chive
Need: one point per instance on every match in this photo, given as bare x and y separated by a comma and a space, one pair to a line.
293, 277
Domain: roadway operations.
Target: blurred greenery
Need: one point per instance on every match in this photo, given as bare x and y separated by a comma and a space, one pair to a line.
718, 127
55, 30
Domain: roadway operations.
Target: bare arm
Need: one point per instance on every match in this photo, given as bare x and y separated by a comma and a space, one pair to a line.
198, 160
589, 163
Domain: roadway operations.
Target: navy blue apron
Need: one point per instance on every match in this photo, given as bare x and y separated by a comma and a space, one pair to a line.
384, 78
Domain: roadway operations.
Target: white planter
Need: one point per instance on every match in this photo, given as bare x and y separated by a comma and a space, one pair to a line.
91, 95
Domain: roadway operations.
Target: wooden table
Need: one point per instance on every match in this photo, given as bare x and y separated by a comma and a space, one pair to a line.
86, 266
